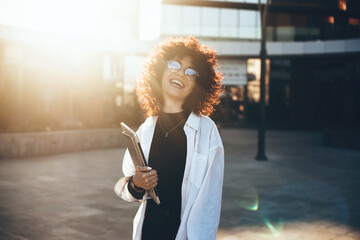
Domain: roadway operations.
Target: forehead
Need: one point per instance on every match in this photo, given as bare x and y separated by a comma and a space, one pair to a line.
185, 61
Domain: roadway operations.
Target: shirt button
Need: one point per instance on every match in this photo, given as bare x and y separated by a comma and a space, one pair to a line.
167, 213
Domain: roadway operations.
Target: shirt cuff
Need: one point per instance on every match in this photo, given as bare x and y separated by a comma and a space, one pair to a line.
135, 194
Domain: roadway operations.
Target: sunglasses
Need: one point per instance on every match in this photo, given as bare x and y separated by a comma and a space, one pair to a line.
190, 73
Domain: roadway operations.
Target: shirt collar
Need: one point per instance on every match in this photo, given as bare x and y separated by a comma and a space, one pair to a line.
193, 121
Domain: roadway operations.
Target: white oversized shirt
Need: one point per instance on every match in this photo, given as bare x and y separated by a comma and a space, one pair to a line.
202, 182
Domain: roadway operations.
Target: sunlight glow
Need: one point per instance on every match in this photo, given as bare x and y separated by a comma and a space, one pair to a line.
294, 230
77, 18
150, 13
104, 22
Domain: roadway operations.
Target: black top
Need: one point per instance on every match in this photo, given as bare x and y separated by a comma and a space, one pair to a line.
167, 156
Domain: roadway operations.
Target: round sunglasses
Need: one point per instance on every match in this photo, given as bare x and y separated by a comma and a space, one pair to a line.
190, 73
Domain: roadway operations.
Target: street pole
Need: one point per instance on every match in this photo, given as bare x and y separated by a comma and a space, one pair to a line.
261, 135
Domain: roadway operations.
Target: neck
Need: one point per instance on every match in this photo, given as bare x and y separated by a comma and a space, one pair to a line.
171, 106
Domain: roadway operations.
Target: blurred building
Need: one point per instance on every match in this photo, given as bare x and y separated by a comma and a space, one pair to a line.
49, 80
313, 78
58, 81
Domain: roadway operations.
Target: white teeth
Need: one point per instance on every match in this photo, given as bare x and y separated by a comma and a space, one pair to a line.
180, 84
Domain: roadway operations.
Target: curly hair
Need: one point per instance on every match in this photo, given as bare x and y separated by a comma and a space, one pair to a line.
208, 88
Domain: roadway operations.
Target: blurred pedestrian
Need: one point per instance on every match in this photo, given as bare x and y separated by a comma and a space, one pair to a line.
177, 90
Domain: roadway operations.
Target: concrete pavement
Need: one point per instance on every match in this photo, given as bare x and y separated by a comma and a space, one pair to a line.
304, 191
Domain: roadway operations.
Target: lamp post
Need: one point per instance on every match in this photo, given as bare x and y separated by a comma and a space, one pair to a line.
261, 135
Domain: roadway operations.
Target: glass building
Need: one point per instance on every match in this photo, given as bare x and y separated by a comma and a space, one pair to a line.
312, 80
293, 20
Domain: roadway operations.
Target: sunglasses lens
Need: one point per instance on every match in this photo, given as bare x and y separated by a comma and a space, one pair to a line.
191, 74
174, 65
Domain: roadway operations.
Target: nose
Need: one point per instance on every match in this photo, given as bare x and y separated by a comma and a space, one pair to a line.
181, 73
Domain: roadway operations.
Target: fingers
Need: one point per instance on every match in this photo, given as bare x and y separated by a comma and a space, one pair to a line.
145, 177
143, 168
149, 175
149, 178
146, 172
151, 184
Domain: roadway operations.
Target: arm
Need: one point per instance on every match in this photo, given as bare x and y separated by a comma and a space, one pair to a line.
142, 178
131, 187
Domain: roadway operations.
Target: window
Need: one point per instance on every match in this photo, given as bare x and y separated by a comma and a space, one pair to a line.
228, 23
171, 19
210, 22
191, 20
249, 23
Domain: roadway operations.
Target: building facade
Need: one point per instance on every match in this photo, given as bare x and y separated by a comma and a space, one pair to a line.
313, 48
312, 79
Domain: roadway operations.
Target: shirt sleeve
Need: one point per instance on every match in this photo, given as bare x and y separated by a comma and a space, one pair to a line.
205, 214
121, 187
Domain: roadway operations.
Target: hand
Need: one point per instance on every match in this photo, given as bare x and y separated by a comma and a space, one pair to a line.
145, 177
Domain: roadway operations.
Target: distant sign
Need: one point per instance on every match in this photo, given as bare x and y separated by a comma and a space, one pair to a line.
234, 72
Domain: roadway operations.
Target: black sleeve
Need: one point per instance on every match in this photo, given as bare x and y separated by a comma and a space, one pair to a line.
135, 194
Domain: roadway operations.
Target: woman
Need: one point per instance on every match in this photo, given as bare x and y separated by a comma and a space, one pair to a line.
178, 89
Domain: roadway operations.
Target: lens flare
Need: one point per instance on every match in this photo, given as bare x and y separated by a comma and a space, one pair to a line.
245, 196
275, 229
292, 203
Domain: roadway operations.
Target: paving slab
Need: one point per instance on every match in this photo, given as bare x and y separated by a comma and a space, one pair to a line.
304, 191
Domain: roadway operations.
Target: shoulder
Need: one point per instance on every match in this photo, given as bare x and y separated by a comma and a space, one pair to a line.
200, 122
209, 128
208, 122
149, 121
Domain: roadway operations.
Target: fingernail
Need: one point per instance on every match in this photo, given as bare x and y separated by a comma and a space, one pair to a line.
148, 168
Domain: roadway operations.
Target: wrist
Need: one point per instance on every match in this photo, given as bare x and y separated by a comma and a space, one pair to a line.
133, 185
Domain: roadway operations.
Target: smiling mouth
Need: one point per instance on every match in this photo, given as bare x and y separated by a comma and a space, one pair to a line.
176, 83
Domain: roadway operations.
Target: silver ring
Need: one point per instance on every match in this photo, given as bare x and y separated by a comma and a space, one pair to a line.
153, 181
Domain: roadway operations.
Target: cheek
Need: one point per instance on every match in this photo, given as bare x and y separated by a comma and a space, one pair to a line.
163, 78
192, 86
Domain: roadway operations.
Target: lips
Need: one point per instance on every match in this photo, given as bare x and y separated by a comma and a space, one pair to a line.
176, 83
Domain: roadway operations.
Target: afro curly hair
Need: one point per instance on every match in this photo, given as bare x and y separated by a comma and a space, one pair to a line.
206, 93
